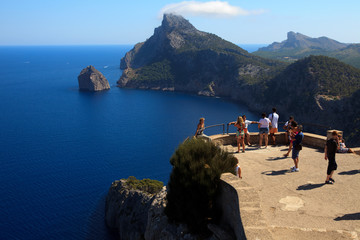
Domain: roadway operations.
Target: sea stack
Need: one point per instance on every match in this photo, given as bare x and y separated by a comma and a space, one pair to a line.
92, 80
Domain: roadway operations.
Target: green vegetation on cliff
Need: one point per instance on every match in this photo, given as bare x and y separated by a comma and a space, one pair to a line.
145, 185
194, 182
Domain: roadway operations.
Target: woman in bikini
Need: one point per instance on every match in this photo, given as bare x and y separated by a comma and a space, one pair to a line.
240, 134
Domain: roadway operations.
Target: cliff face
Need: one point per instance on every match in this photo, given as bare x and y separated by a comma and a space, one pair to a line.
137, 215
92, 80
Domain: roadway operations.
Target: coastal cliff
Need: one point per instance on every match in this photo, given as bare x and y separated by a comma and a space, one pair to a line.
178, 57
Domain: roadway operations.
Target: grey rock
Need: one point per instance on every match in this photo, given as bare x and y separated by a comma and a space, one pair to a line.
127, 210
139, 215
92, 80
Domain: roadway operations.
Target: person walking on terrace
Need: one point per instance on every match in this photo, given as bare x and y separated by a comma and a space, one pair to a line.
200, 130
264, 124
332, 145
297, 145
274, 118
240, 134
246, 131
343, 148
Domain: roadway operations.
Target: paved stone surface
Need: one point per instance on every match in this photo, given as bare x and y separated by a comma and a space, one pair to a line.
299, 205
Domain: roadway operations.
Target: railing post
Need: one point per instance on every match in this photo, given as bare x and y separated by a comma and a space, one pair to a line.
223, 128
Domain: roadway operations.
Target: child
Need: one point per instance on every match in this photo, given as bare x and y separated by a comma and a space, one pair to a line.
331, 147
238, 171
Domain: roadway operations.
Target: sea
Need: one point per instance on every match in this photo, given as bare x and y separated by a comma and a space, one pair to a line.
60, 148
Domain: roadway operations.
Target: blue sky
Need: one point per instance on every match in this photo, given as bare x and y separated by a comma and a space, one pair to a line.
84, 22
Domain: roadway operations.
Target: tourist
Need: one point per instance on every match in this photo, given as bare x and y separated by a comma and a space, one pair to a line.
289, 134
297, 145
200, 130
238, 171
332, 145
264, 124
246, 131
287, 127
274, 118
240, 134
343, 148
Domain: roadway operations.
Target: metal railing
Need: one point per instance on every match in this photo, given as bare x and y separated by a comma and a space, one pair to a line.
217, 125
304, 124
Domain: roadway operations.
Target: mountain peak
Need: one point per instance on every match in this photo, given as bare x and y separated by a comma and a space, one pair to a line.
172, 21
295, 36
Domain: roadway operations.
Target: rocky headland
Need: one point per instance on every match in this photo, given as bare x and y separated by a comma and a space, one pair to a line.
90, 79
178, 57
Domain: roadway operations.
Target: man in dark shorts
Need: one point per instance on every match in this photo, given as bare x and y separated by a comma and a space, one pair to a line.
331, 147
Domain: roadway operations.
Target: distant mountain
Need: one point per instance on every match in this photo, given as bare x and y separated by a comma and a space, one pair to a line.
298, 46
298, 41
178, 57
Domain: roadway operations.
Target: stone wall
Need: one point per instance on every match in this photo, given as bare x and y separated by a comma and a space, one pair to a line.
310, 140
241, 212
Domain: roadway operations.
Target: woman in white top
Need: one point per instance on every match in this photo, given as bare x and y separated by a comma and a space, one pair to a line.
264, 124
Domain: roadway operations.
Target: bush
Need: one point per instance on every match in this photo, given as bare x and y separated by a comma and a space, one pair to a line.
194, 182
146, 185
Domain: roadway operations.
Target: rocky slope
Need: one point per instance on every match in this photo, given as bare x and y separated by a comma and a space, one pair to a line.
179, 57
92, 80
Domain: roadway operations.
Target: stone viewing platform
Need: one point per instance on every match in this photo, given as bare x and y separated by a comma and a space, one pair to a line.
274, 203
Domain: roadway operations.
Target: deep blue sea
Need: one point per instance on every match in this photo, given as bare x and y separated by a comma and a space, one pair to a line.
60, 149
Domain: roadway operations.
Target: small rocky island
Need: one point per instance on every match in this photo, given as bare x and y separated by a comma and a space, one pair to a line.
92, 80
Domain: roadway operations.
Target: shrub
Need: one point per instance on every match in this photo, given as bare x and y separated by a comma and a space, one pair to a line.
194, 182
146, 185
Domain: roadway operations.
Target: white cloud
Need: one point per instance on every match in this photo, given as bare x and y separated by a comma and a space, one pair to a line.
207, 9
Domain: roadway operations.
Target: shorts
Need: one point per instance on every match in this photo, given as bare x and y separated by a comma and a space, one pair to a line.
332, 165
295, 153
263, 130
245, 130
273, 130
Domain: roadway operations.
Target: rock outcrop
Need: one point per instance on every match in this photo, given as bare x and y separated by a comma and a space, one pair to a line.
137, 215
92, 80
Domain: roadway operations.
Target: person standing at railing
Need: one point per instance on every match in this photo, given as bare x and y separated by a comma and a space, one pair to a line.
264, 124
246, 131
240, 133
200, 130
274, 118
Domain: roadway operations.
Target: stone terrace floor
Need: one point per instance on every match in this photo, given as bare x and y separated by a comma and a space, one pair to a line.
299, 205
